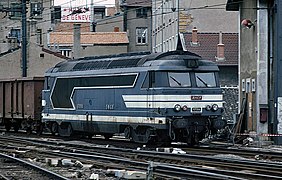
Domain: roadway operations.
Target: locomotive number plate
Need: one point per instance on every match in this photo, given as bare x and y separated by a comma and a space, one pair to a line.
196, 110
196, 97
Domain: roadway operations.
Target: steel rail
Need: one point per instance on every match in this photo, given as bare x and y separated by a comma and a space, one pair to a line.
212, 161
169, 169
33, 166
160, 168
262, 154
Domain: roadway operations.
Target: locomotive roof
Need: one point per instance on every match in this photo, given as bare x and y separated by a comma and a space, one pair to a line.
126, 60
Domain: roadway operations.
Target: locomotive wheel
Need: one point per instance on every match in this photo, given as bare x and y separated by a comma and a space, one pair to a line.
89, 136
143, 135
108, 136
8, 127
28, 130
69, 130
39, 129
163, 138
16, 127
54, 128
148, 133
127, 132
65, 130
193, 140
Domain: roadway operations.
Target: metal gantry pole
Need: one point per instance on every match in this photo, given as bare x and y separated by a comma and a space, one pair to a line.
24, 40
92, 16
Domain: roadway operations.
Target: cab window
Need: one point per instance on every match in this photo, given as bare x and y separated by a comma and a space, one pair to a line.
155, 79
159, 79
206, 79
179, 79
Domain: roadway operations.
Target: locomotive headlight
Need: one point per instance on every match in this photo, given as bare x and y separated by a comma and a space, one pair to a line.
43, 102
208, 107
184, 108
177, 107
214, 107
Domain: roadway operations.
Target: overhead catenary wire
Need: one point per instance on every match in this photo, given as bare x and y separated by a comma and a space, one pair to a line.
134, 9
137, 3
48, 13
211, 7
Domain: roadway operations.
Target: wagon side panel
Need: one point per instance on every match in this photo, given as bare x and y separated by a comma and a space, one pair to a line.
2, 102
8, 99
38, 86
28, 105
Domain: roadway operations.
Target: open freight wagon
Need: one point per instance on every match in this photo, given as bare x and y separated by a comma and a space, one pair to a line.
20, 103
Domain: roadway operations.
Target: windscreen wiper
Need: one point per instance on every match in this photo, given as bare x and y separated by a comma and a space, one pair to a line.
206, 84
175, 80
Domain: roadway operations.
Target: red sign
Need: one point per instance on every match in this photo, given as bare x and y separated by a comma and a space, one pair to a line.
70, 15
196, 97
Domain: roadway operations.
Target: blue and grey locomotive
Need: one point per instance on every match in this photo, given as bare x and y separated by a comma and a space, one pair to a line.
159, 97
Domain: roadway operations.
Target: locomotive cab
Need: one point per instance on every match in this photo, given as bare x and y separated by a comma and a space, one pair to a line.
191, 111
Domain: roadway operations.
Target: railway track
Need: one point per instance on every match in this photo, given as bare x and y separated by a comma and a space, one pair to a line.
178, 165
254, 153
15, 168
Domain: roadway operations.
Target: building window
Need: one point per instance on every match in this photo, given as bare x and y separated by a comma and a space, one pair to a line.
36, 9
39, 36
15, 10
141, 12
56, 14
66, 52
141, 36
99, 13
16, 33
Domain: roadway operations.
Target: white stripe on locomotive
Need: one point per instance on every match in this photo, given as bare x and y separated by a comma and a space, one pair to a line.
210, 97
130, 119
169, 101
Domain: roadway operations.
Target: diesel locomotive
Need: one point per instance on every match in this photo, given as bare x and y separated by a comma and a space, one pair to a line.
160, 97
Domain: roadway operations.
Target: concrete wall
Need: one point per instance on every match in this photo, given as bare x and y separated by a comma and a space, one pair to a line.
103, 50
38, 65
38, 62
10, 65
248, 63
108, 24
132, 23
209, 16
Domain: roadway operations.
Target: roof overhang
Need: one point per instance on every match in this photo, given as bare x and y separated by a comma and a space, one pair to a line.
233, 5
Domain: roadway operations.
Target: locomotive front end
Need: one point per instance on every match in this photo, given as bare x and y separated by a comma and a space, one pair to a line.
195, 118
186, 90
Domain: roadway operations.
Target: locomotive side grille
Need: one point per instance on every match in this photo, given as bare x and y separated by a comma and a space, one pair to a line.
91, 65
105, 64
124, 63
